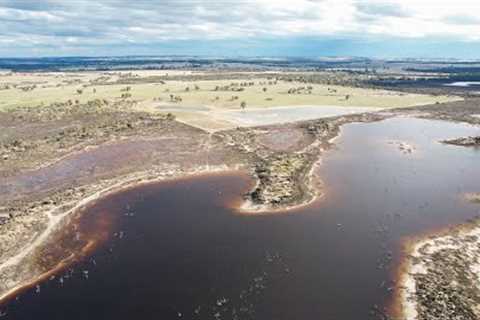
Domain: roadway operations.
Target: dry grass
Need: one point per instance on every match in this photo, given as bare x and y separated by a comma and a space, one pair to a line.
59, 87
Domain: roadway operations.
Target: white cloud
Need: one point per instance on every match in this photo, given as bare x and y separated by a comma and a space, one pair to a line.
427, 19
26, 15
105, 22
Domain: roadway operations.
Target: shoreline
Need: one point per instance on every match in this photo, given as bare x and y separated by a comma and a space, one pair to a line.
315, 193
245, 207
419, 253
125, 183
325, 132
307, 194
65, 218
57, 222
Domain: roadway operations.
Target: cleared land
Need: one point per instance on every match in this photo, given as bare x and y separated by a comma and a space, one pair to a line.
193, 97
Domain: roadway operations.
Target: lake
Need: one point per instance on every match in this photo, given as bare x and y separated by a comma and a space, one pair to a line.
180, 250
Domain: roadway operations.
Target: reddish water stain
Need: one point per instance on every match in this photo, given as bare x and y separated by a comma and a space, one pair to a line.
178, 250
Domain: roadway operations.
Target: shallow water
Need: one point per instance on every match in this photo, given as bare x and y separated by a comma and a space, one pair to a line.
257, 117
178, 250
464, 84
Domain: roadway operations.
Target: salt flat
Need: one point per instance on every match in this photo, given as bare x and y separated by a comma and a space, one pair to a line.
284, 114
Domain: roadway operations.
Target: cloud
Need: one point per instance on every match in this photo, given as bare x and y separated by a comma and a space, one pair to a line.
101, 23
462, 19
382, 9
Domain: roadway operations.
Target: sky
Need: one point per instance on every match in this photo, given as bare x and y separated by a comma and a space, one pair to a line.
226, 28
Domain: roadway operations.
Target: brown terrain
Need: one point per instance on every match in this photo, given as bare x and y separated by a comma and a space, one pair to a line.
57, 159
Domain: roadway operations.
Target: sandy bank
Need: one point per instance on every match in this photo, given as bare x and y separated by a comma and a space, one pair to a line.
440, 278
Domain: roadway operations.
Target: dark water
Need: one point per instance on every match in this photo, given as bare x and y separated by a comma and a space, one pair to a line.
438, 83
179, 252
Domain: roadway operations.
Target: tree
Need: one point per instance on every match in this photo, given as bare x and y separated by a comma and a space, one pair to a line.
243, 105
79, 91
264, 89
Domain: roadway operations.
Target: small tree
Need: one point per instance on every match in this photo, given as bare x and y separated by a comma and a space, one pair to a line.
243, 105
79, 91
264, 89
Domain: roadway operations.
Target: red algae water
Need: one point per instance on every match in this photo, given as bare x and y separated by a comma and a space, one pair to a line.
180, 250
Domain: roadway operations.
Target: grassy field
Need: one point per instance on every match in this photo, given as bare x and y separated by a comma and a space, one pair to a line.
37, 89
60, 87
